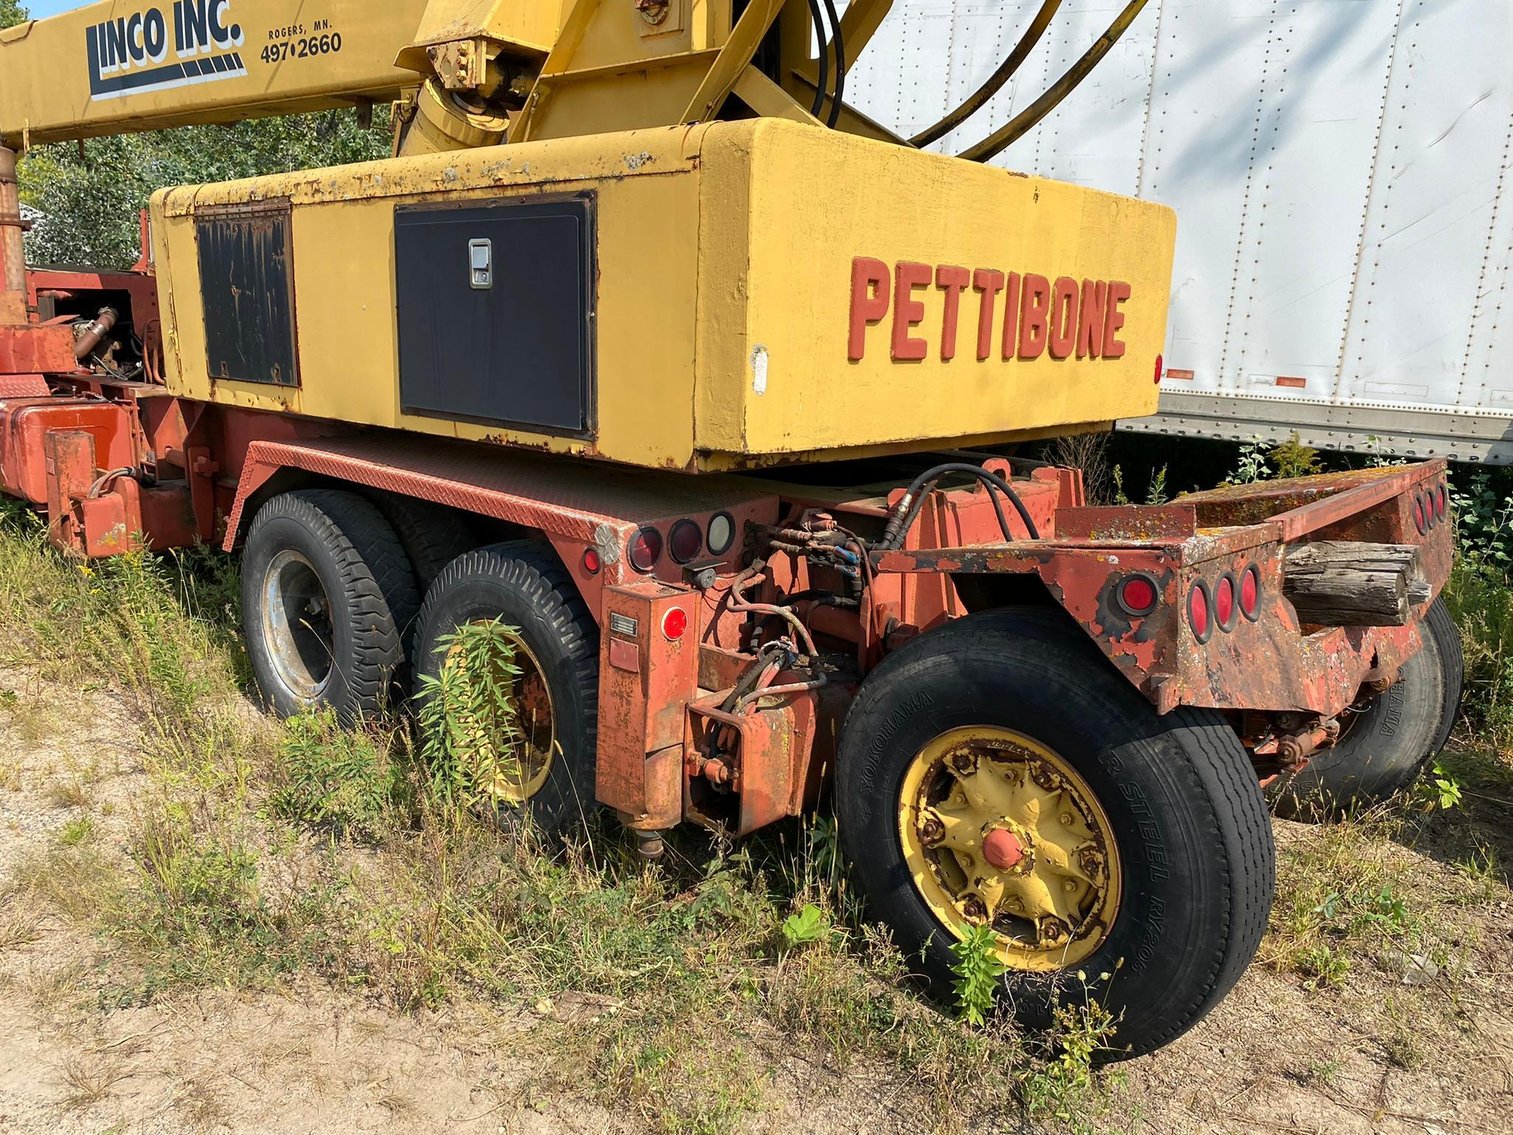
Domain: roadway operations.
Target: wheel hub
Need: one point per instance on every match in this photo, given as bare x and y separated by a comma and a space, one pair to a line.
1002, 849
1000, 831
514, 757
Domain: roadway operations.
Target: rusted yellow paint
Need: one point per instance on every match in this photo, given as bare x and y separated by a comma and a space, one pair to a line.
1053, 908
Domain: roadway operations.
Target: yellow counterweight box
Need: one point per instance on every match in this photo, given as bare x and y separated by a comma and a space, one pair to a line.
705, 297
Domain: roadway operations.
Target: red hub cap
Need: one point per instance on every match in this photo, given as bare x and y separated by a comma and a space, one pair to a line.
1002, 849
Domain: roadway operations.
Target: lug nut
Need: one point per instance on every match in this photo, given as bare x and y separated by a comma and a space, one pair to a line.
932, 831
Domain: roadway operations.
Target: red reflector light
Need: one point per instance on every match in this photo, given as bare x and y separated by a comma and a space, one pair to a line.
645, 549
1441, 502
1137, 595
1420, 515
1250, 593
686, 541
674, 624
1199, 612
1160, 369
1224, 603
592, 563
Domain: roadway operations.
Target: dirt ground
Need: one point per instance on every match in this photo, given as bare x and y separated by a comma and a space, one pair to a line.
1274, 1057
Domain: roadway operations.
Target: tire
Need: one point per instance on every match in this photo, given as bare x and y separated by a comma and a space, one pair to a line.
1384, 745
327, 593
1441, 626
524, 585
1188, 827
432, 535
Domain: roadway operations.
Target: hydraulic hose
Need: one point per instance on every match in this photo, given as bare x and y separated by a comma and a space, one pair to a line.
995, 83
913, 500
1026, 120
824, 77
838, 43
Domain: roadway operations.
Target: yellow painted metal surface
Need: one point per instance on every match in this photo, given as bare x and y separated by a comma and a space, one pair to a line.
725, 262
997, 830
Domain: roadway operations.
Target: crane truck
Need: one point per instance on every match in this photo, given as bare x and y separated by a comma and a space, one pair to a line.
647, 346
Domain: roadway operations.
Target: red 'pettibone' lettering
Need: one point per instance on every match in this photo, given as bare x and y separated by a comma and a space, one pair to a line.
1063, 320
1011, 317
907, 311
871, 300
1113, 319
1090, 319
953, 281
989, 282
1033, 320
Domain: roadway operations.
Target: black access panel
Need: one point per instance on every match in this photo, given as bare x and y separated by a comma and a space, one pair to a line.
496, 312
247, 285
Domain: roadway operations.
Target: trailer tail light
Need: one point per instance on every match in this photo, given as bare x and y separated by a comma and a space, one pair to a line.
645, 549
721, 533
593, 563
1200, 612
686, 541
1225, 608
1137, 595
1250, 593
1441, 502
1160, 369
1420, 515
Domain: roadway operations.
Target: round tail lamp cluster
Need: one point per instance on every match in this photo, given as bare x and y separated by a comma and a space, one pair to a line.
685, 542
1431, 507
1137, 595
1220, 605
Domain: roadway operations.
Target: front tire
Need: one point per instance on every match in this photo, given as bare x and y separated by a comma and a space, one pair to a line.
998, 772
327, 594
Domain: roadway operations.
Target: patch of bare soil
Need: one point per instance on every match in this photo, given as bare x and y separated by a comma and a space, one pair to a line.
1372, 1055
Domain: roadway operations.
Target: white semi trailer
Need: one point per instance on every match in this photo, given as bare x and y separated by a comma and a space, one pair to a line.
1341, 173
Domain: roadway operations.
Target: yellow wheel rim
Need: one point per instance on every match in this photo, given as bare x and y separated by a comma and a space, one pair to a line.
999, 831
516, 775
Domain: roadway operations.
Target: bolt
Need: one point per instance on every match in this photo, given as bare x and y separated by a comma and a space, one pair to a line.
1070, 886
932, 831
964, 763
976, 909
1066, 819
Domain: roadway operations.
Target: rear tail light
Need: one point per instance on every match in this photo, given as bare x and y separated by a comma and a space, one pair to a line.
1137, 595
593, 563
674, 624
1441, 502
645, 549
1200, 612
1250, 593
686, 541
1420, 514
1225, 607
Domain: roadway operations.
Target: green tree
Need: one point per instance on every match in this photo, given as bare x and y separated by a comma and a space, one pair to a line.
90, 196
12, 13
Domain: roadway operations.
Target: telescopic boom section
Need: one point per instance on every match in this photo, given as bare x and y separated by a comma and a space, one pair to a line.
471, 72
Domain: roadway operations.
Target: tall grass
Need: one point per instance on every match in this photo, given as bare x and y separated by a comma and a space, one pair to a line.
263, 849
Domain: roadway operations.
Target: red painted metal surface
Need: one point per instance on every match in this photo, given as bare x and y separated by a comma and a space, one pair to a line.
646, 681
35, 351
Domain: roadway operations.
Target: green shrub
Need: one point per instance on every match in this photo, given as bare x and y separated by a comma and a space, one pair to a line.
334, 778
